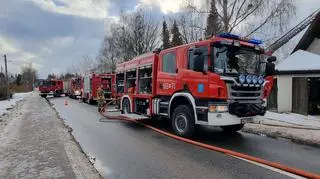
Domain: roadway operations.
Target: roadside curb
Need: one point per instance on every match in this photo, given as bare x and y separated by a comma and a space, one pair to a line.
69, 130
279, 135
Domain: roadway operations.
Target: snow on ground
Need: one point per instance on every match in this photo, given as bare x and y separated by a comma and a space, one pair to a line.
7, 104
292, 118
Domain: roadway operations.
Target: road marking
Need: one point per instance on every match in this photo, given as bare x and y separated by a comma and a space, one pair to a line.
270, 168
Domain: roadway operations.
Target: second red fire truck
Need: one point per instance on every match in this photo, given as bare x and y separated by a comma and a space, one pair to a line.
51, 87
91, 82
74, 87
222, 81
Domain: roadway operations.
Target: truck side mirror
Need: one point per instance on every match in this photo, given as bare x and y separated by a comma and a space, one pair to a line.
270, 66
271, 59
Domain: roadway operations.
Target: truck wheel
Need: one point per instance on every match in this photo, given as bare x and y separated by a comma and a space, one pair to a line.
232, 128
90, 101
183, 121
43, 95
125, 106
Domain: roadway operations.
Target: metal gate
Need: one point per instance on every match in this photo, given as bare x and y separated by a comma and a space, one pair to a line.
300, 95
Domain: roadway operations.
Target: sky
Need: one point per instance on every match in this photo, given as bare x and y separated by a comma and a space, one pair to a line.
52, 35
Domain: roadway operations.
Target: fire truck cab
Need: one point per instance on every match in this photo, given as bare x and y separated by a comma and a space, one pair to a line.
91, 83
51, 87
222, 81
74, 90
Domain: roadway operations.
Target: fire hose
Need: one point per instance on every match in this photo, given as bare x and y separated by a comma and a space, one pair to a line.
211, 147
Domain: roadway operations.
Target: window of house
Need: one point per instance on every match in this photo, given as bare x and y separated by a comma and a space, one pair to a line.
169, 62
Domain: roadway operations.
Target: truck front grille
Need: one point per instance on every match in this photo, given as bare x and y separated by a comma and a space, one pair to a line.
244, 92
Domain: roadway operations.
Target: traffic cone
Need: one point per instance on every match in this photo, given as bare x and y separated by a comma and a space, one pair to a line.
65, 102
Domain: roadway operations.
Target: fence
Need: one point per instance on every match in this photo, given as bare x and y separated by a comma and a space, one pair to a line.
3, 87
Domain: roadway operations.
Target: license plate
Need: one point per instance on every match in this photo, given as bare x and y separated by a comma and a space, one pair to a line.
246, 120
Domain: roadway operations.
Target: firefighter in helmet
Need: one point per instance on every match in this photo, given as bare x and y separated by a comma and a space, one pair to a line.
100, 98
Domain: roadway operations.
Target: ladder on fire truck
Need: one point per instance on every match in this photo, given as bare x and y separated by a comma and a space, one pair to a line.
293, 32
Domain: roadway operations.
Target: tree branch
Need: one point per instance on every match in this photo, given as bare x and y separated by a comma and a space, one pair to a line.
232, 10
245, 17
266, 20
238, 12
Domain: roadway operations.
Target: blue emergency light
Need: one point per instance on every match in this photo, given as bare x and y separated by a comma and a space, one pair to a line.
237, 37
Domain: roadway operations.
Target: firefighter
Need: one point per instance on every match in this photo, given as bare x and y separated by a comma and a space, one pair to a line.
100, 98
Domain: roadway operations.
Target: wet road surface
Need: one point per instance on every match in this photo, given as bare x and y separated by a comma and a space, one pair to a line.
128, 150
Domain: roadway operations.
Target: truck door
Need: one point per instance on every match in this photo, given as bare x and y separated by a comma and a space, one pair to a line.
194, 76
167, 73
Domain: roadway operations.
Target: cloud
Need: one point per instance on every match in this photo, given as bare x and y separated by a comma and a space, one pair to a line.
61, 42
17, 57
96, 9
166, 6
170, 6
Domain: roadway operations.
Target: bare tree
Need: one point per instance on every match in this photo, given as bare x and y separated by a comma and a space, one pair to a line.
108, 55
134, 34
242, 14
191, 25
28, 74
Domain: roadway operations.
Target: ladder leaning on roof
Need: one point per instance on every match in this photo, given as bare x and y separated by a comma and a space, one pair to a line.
293, 32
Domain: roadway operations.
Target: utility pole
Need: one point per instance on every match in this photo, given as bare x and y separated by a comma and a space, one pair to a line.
7, 79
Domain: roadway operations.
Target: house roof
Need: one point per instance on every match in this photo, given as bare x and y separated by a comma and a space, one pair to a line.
300, 62
312, 32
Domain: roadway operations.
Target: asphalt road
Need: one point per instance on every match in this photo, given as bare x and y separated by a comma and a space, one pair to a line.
127, 150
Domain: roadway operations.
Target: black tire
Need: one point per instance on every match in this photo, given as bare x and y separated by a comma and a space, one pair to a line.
182, 121
125, 106
43, 95
91, 101
232, 128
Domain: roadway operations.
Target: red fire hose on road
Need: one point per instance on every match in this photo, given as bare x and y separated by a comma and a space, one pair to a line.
217, 149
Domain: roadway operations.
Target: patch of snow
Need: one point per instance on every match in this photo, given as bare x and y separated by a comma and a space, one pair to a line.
300, 60
293, 118
6, 104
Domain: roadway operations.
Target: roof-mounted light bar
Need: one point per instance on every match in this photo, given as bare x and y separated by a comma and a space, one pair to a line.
237, 37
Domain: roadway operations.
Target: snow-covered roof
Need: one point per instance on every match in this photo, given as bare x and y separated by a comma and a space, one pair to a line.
300, 61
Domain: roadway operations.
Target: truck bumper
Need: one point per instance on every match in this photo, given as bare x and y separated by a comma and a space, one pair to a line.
227, 119
47, 93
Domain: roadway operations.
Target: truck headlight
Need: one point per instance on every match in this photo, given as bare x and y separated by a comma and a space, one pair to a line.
242, 78
217, 108
249, 78
254, 79
260, 80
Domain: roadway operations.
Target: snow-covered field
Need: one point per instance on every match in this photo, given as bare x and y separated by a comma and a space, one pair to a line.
5, 104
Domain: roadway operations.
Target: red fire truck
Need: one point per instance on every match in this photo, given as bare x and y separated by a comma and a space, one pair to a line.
74, 87
222, 81
91, 83
51, 87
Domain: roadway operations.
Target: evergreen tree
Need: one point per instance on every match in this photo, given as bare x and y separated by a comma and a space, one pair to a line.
165, 36
213, 21
176, 36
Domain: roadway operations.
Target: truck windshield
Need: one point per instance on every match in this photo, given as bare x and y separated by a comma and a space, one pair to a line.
236, 60
45, 83
77, 82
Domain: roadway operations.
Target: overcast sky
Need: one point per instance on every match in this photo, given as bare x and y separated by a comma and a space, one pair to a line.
54, 34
